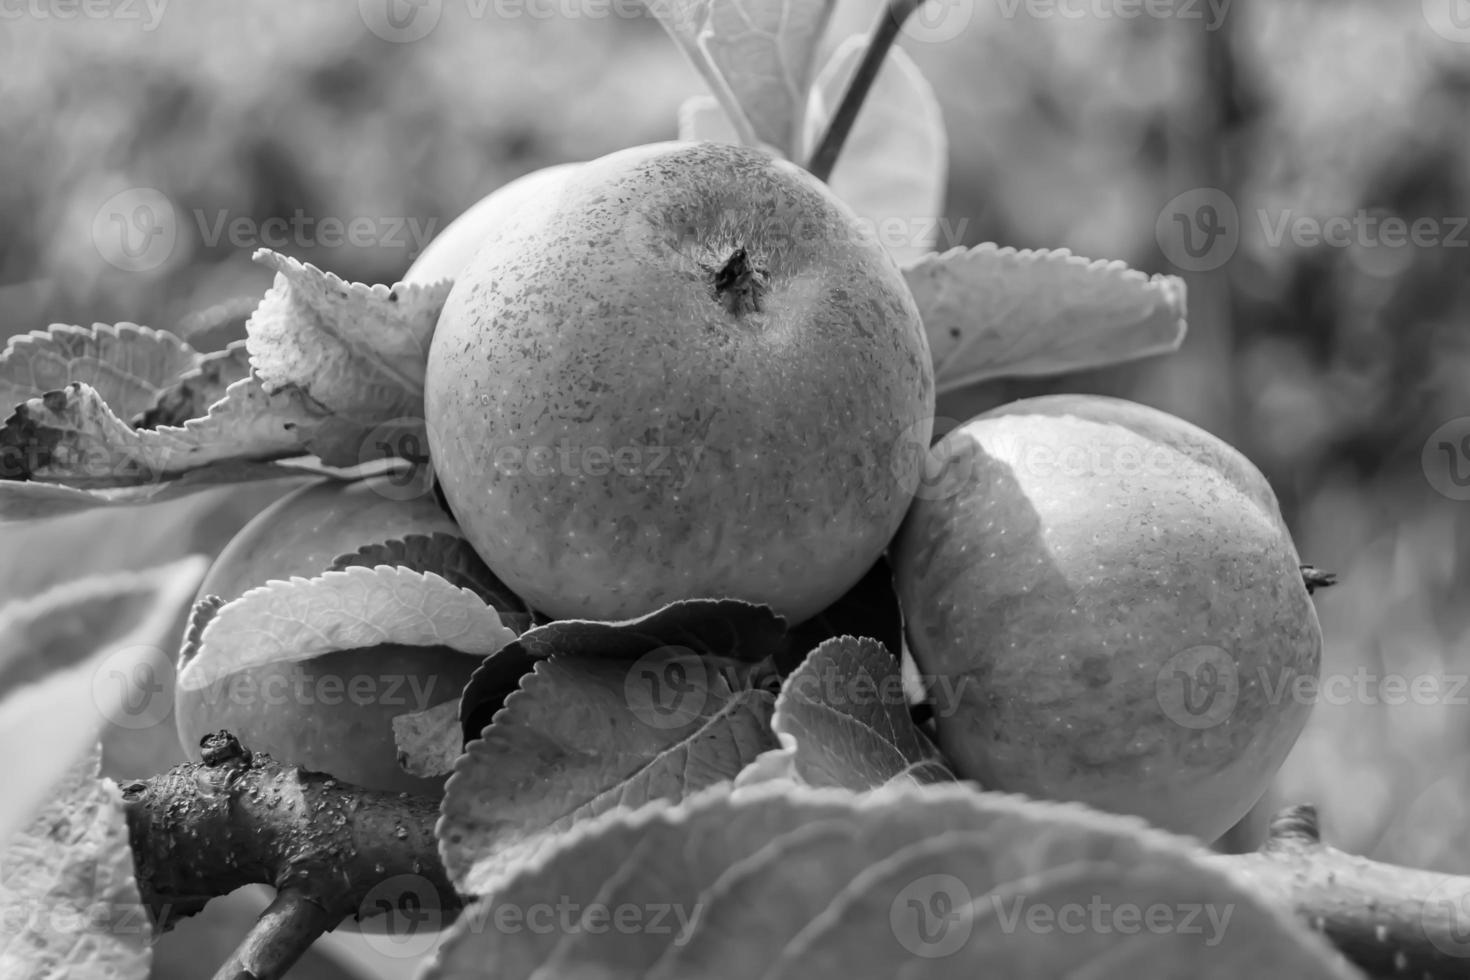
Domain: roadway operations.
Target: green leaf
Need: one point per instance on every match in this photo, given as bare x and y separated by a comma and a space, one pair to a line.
727, 628
919, 882
356, 353
755, 55
429, 741
847, 716
582, 736
68, 898
296, 620
127, 364
994, 312
894, 165
75, 659
453, 559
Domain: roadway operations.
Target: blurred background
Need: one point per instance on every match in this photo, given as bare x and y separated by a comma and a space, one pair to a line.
1340, 365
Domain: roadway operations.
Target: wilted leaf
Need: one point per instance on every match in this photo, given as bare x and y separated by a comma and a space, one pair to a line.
453, 559
995, 312
726, 628
919, 882
70, 436
296, 620
894, 165
429, 741
869, 608
194, 391
585, 735
756, 56
127, 364
67, 896
55, 695
31, 501
846, 709
356, 353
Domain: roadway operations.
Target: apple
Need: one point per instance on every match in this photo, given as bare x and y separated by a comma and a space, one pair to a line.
1108, 608
686, 374
450, 251
333, 713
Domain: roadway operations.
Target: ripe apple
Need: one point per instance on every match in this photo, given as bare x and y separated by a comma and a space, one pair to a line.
333, 713
1109, 609
686, 374
450, 251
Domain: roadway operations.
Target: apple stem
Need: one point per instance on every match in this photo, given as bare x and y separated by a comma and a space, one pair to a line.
884, 33
738, 284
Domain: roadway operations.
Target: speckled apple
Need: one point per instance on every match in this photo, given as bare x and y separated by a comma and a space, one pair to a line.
687, 373
333, 713
1109, 609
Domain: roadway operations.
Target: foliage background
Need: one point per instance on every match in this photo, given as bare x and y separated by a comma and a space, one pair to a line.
1329, 366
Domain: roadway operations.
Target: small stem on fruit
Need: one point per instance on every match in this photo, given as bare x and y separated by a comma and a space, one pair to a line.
885, 32
1316, 579
738, 284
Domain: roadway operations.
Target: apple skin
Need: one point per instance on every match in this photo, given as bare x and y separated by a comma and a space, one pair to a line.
756, 427
284, 709
1047, 598
447, 254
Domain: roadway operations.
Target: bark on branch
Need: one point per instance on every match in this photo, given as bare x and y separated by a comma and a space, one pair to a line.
203, 830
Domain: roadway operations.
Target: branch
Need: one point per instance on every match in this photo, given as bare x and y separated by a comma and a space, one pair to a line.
1389, 921
885, 32
205, 829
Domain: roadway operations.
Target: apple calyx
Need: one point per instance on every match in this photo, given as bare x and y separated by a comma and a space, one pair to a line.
739, 285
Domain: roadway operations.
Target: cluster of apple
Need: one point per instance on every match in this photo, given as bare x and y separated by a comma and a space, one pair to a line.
1100, 597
